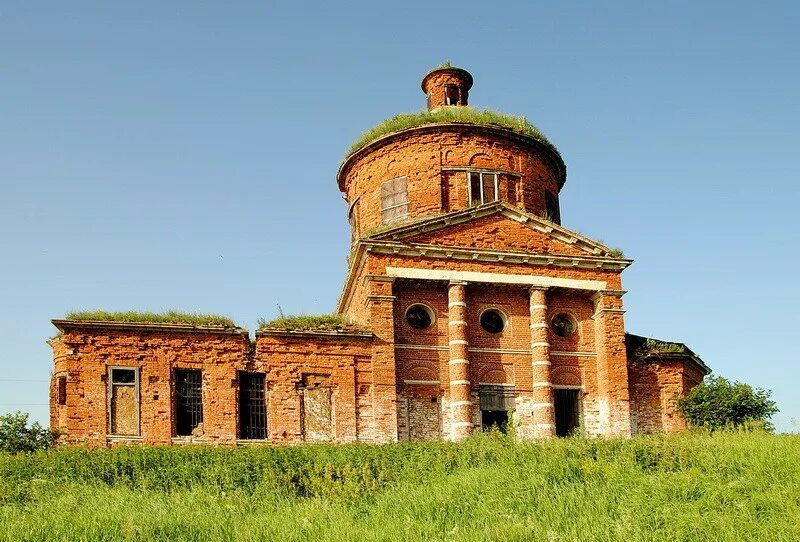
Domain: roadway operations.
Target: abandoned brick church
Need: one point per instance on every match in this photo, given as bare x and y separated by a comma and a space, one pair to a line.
466, 301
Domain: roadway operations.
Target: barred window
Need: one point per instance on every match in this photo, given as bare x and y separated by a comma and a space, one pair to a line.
394, 200
252, 406
188, 401
482, 187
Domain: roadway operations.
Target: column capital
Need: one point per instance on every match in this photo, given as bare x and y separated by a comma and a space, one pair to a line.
536, 288
608, 293
458, 283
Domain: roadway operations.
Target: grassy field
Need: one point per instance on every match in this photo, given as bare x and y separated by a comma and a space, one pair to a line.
687, 487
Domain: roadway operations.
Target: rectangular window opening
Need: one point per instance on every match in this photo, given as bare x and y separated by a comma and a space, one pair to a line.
482, 187
252, 406
188, 401
123, 401
394, 200
61, 390
551, 207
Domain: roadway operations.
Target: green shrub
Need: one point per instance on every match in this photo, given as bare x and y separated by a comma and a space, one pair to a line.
16, 436
718, 403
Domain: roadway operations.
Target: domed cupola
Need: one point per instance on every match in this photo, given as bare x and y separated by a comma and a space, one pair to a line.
447, 86
447, 158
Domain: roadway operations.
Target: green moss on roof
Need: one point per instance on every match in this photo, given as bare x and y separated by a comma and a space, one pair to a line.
311, 322
445, 115
167, 317
638, 346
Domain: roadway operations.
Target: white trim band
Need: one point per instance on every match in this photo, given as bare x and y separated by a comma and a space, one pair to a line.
456, 323
458, 341
495, 278
539, 325
538, 307
458, 361
542, 384
540, 344
459, 382
457, 304
461, 424
540, 362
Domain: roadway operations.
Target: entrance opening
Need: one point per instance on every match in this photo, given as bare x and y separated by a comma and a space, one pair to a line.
252, 406
567, 410
494, 419
497, 402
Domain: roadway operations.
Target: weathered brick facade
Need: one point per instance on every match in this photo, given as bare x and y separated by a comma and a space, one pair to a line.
472, 306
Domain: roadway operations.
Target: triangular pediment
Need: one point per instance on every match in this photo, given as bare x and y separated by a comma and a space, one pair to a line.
498, 227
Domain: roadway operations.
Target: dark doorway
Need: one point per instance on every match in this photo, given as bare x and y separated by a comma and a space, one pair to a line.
252, 406
567, 407
497, 419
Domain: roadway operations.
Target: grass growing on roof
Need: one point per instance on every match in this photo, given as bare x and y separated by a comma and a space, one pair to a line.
302, 322
468, 115
146, 317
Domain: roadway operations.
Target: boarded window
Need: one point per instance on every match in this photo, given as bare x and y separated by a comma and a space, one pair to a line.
552, 210
188, 402
317, 411
61, 390
482, 187
123, 401
252, 406
394, 200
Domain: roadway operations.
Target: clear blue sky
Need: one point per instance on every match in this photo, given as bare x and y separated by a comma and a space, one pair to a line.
158, 155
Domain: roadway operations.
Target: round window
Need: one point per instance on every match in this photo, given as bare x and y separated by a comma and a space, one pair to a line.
493, 321
419, 316
564, 325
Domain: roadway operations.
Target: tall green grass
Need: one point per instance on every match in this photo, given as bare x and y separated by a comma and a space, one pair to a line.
728, 486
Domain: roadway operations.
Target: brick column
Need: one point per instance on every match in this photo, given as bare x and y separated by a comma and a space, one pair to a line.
460, 386
612, 364
543, 410
384, 377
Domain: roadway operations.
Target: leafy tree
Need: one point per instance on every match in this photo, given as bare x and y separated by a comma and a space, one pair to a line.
718, 403
16, 436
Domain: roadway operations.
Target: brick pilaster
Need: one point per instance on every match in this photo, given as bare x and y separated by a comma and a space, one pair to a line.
542, 395
612, 364
460, 386
384, 375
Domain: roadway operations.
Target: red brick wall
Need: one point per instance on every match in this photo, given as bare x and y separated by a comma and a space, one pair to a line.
345, 361
423, 156
84, 355
655, 388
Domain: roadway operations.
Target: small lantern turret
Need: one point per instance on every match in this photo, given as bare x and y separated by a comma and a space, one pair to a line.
447, 86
